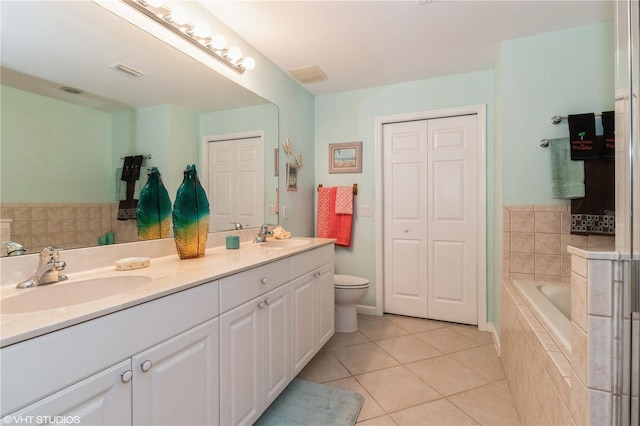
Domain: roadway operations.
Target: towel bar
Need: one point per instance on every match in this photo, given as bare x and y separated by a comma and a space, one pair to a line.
355, 188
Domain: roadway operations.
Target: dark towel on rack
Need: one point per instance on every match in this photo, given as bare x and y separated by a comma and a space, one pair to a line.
608, 145
595, 213
130, 174
582, 132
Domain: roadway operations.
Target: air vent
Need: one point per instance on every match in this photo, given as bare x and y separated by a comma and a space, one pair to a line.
72, 90
308, 74
127, 70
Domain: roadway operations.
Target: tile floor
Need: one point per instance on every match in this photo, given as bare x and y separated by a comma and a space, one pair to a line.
414, 371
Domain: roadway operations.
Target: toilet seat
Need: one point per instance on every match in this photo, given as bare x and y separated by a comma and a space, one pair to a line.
349, 282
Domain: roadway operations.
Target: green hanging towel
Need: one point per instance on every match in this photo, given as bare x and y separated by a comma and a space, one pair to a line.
191, 216
153, 213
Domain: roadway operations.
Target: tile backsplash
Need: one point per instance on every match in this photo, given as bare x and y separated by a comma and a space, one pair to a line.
535, 240
66, 225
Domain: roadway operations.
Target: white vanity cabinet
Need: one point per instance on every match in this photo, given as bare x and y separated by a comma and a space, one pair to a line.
312, 304
102, 399
176, 382
254, 343
96, 369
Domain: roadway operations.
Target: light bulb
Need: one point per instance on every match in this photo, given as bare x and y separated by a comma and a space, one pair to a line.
234, 54
218, 42
201, 30
248, 63
179, 16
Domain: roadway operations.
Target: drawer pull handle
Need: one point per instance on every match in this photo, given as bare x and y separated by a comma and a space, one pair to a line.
317, 274
267, 300
146, 366
263, 280
126, 376
261, 305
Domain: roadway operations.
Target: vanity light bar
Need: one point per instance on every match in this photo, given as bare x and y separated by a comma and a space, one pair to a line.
164, 16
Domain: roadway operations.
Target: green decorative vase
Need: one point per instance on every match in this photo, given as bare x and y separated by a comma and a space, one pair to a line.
153, 213
191, 216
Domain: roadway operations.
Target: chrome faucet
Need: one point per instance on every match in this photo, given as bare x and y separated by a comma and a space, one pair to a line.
262, 235
237, 225
48, 269
13, 248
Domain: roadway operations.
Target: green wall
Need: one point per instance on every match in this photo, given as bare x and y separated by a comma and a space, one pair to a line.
558, 73
350, 116
47, 143
534, 78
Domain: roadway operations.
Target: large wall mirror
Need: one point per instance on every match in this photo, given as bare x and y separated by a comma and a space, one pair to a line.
62, 147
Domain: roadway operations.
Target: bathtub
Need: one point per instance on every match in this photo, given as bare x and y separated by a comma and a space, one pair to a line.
551, 303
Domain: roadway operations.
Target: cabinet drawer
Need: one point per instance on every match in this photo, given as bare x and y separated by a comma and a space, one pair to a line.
309, 260
238, 288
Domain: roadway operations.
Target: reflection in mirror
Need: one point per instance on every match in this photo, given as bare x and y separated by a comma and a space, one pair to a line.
61, 149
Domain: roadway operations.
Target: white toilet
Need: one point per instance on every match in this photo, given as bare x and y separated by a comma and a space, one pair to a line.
349, 290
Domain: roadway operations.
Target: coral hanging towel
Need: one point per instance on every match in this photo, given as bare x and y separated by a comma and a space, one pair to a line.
330, 224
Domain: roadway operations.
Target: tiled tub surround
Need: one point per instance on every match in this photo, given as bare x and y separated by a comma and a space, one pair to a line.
67, 225
535, 240
592, 286
552, 385
538, 371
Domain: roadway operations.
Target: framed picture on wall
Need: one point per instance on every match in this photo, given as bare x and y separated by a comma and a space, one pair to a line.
345, 157
292, 177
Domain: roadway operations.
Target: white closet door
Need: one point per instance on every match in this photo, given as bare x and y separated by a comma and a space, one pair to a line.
430, 218
405, 218
453, 219
234, 180
221, 183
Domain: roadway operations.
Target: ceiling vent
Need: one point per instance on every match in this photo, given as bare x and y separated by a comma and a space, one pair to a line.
308, 74
127, 70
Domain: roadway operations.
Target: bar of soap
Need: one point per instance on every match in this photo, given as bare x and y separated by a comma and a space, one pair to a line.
130, 263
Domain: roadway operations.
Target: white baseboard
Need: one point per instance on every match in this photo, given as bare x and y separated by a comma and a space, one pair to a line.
496, 336
367, 310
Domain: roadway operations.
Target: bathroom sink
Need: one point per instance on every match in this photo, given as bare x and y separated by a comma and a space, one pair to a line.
68, 293
285, 243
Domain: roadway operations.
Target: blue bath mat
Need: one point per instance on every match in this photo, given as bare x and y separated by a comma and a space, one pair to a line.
308, 403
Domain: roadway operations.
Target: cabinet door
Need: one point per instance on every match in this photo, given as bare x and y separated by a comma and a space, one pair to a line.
324, 304
176, 382
102, 399
302, 321
240, 364
275, 344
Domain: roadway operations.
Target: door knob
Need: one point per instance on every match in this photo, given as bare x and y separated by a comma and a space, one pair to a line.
126, 376
146, 366
261, 305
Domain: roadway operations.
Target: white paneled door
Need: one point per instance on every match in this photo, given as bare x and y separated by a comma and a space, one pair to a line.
233, 176
430, 170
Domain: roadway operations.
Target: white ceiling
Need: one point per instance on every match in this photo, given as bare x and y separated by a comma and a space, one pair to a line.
360, 44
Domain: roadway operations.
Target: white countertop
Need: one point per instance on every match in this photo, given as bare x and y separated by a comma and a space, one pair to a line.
170, 275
